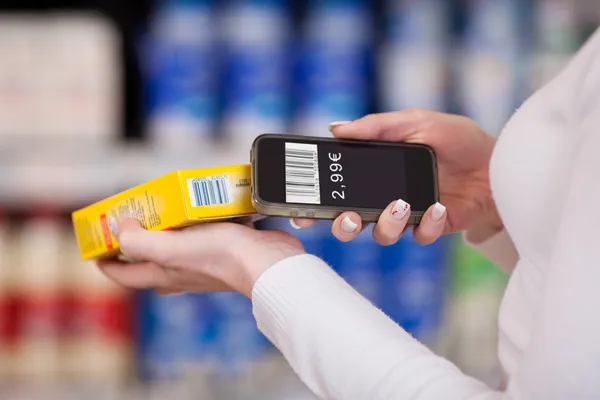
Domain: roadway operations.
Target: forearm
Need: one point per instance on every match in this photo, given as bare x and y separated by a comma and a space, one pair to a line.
343, 347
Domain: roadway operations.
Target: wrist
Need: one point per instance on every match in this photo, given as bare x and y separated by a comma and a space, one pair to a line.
488, 225
259, 259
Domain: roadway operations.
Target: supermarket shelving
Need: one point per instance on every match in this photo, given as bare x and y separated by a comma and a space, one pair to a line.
72, 173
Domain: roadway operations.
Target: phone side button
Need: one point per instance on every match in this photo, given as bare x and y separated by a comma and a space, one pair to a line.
310, 214
294, 213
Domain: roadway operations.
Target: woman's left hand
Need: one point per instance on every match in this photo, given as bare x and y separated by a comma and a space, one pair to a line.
210, 257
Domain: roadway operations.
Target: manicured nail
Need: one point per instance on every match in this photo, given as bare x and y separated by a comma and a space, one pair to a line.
400, 209
437, 212
113, 226
294, 224
348, 226
337, 123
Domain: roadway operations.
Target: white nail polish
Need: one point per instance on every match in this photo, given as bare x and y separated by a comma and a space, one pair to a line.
113, 226
337, 123
294, 224
437, 212
400, 209
348, 225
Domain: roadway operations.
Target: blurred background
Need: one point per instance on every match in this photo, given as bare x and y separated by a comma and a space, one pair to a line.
99, 95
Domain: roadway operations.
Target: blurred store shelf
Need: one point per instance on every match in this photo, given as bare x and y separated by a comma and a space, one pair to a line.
69, 174
272, 379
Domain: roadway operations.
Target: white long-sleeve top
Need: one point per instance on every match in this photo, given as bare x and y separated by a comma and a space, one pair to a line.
545, 176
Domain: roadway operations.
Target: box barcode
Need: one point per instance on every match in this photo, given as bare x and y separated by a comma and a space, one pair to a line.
210, 191
302, 173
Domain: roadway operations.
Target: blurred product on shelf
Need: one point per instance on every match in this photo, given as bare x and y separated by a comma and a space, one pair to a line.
257, 69
181, 198
178, 336
557, 36
16, 74
59, 78
472, 332
39, 284
413, 57
97, 341
414, 286
241, 346
6, 320
488, 62
333, 74
181, 61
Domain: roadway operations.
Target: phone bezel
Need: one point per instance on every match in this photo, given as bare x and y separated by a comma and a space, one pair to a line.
324, 212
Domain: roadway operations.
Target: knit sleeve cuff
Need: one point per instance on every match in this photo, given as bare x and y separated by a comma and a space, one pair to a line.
281, 291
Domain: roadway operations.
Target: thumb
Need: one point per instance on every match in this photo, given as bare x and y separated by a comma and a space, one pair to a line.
397, 126
140, 244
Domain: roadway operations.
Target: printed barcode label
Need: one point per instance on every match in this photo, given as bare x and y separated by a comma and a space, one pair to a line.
302, 173
210, 191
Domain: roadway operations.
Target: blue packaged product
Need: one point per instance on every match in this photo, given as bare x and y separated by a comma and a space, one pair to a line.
413, 67
490, 66
415, 286
239, 345
417, 23
177, 335
334, 69
257, 65
182, 65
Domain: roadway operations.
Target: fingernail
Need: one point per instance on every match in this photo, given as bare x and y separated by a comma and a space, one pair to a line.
113, 226
348, 226
294, 224
437, 212
337, 123
400, 209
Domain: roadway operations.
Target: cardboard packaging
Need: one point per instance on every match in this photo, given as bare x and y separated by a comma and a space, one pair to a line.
176, 200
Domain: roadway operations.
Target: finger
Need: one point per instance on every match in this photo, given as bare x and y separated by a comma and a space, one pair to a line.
301, 223
391, 126
432, 225
392, 223
347, 226
140, 244
139, 275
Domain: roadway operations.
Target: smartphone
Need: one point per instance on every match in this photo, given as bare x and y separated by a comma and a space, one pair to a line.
320, 178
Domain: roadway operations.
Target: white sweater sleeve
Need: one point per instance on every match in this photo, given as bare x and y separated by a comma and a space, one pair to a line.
342, 346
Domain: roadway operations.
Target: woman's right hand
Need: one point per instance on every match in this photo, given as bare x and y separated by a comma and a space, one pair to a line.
463, 152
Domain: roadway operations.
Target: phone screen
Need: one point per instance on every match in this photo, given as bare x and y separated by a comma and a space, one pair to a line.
344, 174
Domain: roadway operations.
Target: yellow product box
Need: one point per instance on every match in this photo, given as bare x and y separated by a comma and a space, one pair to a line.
176, 200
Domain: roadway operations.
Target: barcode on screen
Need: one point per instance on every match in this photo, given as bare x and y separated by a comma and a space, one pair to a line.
302, 173
210, 191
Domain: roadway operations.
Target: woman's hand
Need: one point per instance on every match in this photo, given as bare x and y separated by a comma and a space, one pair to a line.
463, 153
210, 257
